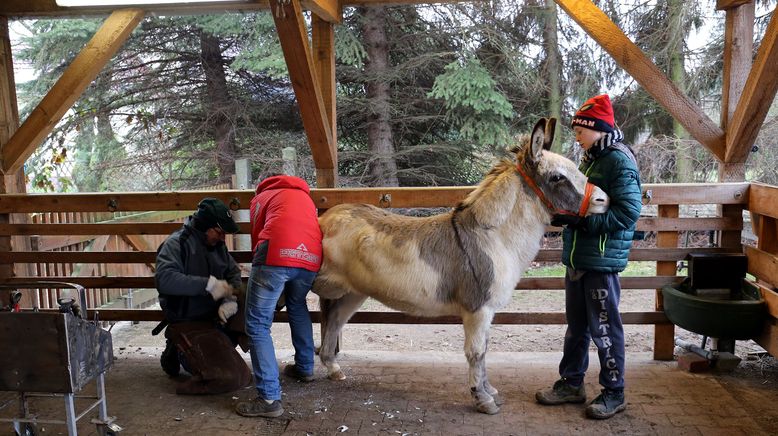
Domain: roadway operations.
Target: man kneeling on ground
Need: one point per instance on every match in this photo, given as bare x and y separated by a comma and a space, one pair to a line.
197, 279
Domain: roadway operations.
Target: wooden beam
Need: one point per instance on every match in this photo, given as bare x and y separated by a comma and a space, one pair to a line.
245, 256
510, 318
653, 224
664, 335
758, 95
293, 36
527, 283
769, 337
444, 196
726, 5
98, 229
738, 50
770, 297
9, 120
762, 200
323, 41
78, 75
49, 8
762, 265
641, 68
326, 10
766, 230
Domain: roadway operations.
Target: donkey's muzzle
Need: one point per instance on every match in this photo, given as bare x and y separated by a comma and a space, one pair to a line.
598, 201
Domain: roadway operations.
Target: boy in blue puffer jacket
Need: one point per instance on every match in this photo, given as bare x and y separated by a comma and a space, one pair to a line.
595, 250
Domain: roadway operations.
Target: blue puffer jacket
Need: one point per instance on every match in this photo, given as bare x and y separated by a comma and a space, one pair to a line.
602, 243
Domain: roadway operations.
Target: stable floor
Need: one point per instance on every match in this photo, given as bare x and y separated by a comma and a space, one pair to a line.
407, 393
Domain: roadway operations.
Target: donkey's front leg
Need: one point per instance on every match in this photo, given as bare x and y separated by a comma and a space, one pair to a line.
476, 326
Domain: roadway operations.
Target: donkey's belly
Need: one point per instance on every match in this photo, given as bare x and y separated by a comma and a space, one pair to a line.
413, 292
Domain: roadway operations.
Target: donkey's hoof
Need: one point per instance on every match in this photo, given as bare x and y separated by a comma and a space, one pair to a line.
490, 408
337, 375
498, 400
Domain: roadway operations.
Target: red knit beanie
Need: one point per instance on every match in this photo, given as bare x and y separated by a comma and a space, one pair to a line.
596, 114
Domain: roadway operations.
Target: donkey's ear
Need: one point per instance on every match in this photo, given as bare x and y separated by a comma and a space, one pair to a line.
548, 140
538, 140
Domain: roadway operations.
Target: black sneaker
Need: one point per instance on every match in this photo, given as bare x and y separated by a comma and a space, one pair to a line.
292, 371
561, 393
607, 404
259, 407
169, 360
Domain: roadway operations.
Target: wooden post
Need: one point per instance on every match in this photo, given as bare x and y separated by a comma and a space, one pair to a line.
243, 180
664, 334
323, 47
14, 182
738, 49
293, 36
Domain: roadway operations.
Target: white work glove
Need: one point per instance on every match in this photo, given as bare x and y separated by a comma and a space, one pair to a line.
228, 308
218, 288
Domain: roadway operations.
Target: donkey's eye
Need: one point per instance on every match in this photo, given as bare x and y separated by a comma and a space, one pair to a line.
557, 178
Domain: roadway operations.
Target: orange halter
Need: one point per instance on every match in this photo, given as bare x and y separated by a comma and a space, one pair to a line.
584, 203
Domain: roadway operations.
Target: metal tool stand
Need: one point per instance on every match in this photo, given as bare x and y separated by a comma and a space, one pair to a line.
27, 424
61, 353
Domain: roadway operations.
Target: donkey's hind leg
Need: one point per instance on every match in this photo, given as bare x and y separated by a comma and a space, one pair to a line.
334, 317
476, 326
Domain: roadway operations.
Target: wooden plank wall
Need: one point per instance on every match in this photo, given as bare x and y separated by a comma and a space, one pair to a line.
135, 224
763, 258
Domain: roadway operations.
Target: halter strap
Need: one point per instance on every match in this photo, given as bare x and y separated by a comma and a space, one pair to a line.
584, 203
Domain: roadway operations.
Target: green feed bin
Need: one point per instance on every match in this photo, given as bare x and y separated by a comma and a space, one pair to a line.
735, 314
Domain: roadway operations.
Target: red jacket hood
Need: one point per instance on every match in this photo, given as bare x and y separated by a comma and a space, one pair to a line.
283, 182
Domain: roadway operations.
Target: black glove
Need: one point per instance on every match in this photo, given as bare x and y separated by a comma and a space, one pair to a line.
571, 221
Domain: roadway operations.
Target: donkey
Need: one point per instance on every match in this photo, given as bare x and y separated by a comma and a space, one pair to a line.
466, 262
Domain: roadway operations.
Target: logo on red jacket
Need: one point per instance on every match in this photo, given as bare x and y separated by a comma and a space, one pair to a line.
299, 253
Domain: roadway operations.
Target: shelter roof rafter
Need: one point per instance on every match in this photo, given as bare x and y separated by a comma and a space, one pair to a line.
77, 76
629, 56
328, 10
293, 35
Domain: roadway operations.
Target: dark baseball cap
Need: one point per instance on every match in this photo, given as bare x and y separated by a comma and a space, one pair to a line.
212, 212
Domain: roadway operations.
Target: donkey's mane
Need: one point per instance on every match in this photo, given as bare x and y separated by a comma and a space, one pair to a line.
499, 168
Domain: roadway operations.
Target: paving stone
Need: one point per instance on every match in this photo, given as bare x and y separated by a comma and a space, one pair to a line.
425, 393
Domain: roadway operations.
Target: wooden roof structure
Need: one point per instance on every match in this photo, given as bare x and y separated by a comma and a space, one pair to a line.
749, 87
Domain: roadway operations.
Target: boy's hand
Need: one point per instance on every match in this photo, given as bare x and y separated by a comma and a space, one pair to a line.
570, 221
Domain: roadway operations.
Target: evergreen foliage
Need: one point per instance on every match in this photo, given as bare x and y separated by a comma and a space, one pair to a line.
186, 96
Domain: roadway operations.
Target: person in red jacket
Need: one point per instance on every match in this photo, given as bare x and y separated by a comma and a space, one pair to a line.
286, 241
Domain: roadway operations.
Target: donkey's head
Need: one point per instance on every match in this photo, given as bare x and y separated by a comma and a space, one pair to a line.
554, 178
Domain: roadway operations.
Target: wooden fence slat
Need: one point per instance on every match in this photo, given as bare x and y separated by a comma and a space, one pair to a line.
762, 264
242, 256
528, 283
446, 196
507, 318
733, 223
761, 200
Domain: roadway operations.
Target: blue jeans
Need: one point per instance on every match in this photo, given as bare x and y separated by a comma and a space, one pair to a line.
592, 309
266, 284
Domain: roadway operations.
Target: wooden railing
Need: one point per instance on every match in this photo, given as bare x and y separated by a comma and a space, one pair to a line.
669, 213
763, 259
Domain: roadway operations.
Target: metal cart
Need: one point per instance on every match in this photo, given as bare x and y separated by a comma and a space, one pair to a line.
54, 354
